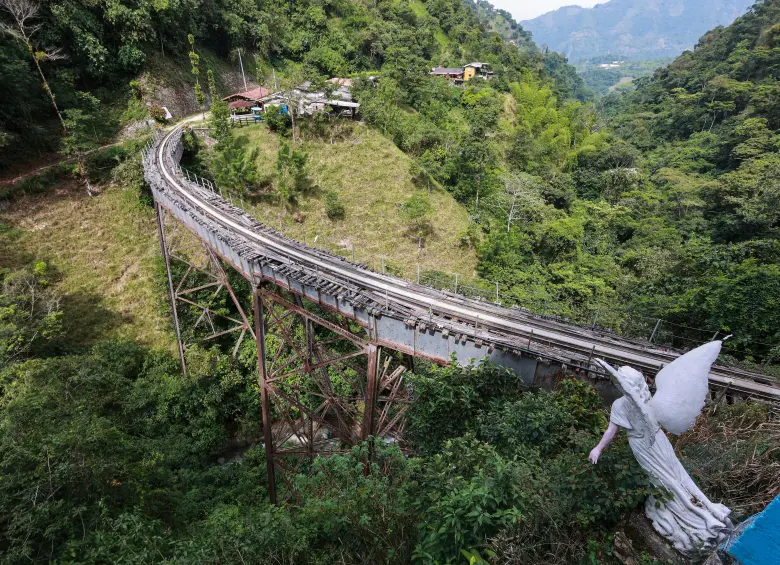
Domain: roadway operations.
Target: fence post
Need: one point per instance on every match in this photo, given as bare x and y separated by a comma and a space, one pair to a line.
383, 264
655, 329
496, 293
353, 252
596, 317
456, 283
418, 273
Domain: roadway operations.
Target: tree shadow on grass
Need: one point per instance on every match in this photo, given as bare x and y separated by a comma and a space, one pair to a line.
86, 319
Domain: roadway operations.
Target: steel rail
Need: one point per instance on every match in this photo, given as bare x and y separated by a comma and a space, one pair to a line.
493, 318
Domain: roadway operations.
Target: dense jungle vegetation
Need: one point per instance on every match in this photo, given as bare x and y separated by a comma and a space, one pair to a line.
662, 202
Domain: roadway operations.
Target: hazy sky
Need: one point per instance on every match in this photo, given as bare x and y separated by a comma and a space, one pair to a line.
528, 9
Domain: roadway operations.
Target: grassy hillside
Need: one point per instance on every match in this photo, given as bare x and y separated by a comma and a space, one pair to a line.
371, 177
103, 251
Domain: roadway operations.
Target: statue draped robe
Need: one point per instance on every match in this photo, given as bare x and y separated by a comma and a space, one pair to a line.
685, 516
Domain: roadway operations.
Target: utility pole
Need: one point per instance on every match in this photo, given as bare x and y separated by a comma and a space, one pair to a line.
476, 204
241, 64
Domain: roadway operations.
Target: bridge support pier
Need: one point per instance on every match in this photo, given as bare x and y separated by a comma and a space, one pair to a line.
324, 387
196, 281
160, 211
325, 383
257, 303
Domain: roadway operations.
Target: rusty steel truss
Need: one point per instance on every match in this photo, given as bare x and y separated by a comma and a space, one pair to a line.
325, 386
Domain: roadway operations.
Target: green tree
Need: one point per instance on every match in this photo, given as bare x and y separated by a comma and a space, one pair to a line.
200, 97
81, 125
334, 208
220, 113
23, 12
417, 211
751, 195
292, 173
235, 167
30, 313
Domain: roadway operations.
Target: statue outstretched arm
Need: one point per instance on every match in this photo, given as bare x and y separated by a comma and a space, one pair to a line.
606, 439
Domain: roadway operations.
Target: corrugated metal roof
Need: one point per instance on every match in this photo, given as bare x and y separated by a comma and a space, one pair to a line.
447, 70
254, 94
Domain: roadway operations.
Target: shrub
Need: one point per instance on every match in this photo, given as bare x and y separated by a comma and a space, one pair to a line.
100, 164
292, 173
734, 457
510, 465
447, 399
469, 493
30, 313
136, 111
278, 120
334, 209
36, 184
417, 211
358, 512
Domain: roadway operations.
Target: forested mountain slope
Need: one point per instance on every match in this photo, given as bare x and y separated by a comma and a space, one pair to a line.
709, 124
98, 48
661, 206
633, 29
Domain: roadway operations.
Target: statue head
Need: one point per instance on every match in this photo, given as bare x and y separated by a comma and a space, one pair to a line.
630, 381
633, 379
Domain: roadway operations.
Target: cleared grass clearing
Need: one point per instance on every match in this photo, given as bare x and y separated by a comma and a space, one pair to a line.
103, 251
371, 177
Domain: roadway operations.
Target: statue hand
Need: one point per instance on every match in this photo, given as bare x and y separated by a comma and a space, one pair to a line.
594, 455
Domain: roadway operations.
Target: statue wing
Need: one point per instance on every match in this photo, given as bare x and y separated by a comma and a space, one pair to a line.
681, 388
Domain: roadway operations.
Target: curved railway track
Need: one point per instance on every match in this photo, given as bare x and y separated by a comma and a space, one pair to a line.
576, 345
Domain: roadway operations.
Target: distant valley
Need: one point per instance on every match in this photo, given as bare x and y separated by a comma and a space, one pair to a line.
606, 74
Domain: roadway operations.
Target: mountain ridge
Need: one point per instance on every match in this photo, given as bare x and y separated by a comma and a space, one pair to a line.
631, 29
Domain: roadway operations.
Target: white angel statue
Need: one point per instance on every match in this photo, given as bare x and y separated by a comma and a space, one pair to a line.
686, 517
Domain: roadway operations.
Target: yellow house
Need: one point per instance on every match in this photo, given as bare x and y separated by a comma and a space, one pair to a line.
459, 75
476, 69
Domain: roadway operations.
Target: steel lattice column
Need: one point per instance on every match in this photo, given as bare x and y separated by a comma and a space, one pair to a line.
306, 413
325, 384
198, 288
164, 248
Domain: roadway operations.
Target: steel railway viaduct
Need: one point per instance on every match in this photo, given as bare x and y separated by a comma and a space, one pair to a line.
331, 313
